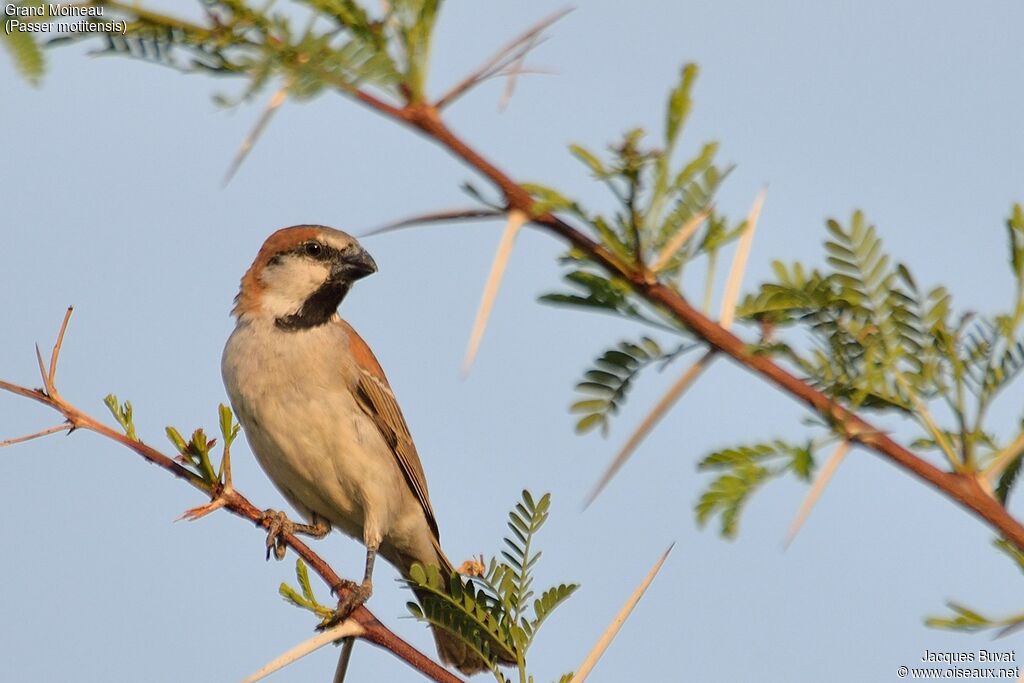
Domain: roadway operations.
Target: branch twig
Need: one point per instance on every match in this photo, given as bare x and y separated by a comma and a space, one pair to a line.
507, 56
63, 427
435, 217
275, 102
373, 630
346, 630
964, 490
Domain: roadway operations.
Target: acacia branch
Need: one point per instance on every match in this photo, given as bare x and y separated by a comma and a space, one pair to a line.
963, 488
374, 631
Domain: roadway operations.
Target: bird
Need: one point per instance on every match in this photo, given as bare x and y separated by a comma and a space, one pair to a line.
320, 417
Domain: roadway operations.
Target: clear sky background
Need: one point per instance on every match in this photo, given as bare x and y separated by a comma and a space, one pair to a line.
112, 201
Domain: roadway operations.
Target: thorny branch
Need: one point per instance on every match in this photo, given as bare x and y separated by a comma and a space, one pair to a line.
964, 488
233, 501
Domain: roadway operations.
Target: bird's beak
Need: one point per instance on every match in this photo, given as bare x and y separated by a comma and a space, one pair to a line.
354, 266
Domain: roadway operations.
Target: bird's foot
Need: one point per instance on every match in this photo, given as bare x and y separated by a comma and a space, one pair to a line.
355, 594
278, 525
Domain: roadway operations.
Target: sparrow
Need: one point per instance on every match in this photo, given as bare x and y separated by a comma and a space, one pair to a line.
320, 416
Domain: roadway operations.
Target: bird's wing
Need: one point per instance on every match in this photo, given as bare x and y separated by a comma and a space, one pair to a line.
377, 400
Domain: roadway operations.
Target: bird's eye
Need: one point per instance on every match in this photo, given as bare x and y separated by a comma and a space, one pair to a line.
312, 249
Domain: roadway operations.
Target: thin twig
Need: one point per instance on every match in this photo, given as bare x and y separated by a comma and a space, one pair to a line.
346, 629
453, 215
929, 422
47, 387
63, 427
374, 631
822, 480
56, 347
516, 219
620, 618
501, 59
514, 71
964, 490
276, 100
343, 659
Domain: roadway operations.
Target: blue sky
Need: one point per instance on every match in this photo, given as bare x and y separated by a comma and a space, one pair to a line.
112, 196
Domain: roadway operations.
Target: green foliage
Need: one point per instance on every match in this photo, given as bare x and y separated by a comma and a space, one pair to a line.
655, 201
872, 339
22, 46
307, 46
599, 292
858, 328
415, 20
742, 470
123, 414
229, 430
499, 608
1011, 551
1008, 478
971, 620
306, 599
1015, 232
664, 218
605, 387
195, 453
864, 320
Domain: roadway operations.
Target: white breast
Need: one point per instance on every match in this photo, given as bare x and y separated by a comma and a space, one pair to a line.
290, 392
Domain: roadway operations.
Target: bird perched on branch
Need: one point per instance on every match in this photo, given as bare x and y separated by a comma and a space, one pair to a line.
320, 416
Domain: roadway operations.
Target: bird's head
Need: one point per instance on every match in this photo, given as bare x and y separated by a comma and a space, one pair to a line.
300, 276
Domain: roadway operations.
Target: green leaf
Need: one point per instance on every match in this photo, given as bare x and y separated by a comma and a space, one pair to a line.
1011, 551
1015, 231
590, 159
292, 596
745, 469
727, 495
124, 415
972, 621
548, 602
25, 52
175, 438
1008, 479
486, 612
606, 387
303, 575
548, 199
228, 429
679, 104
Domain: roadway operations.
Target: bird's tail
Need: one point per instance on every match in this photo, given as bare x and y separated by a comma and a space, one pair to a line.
450, 647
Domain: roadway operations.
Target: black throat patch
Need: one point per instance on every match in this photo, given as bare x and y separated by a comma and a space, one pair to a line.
317, 309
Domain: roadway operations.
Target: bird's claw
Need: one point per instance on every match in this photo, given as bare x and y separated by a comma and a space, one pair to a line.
355, 595
278, 525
